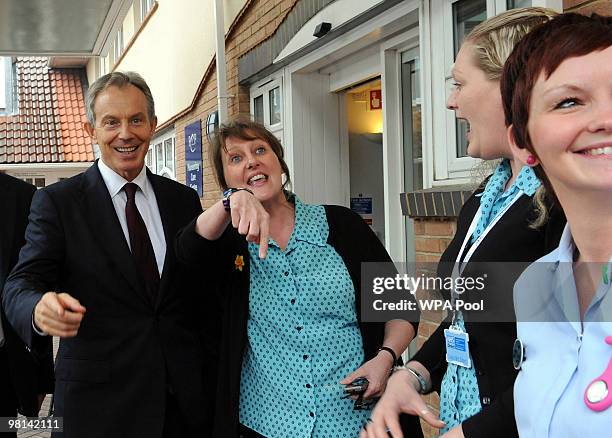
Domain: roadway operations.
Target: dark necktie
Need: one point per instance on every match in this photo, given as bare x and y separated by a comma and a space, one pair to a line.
142, 249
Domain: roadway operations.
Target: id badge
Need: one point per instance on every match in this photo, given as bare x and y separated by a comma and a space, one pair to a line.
457, 347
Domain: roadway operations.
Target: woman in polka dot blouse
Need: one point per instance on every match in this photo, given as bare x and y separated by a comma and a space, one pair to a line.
499, 230
289, 280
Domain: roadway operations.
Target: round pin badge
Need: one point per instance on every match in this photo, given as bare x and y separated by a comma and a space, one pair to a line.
597, 391
518, 354
597, 395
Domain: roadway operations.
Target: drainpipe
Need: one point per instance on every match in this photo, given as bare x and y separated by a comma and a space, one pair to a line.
222, 96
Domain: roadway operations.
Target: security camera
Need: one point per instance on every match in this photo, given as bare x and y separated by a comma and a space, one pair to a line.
322, 29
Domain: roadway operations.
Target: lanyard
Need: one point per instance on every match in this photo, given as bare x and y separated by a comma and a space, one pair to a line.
461, 264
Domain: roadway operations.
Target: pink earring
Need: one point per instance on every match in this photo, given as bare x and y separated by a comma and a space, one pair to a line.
531, 160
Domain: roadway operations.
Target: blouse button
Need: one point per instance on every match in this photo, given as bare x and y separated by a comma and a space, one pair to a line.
286, 273
308, 386
305, 357
292, 300
311, 414
298, 328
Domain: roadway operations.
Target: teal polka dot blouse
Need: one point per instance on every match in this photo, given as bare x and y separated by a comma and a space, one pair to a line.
303, 337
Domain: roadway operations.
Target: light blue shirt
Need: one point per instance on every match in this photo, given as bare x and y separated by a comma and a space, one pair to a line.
303, 337
563, 354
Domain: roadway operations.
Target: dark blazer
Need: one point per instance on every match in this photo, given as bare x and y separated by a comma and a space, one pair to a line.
22, 373
112, 378
510, 240
352, 239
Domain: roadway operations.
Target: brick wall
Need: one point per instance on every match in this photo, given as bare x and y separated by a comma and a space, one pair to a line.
432, 236
257, 22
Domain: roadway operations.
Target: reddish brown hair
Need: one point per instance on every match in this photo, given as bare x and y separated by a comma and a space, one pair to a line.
542, 51
245, 129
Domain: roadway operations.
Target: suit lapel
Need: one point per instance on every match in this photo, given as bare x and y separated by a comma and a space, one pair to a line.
106, 228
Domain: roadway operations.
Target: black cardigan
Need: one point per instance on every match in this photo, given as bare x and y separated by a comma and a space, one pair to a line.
349, 235
510, 240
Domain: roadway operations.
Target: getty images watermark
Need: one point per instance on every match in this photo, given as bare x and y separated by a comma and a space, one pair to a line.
409, 283
406, 290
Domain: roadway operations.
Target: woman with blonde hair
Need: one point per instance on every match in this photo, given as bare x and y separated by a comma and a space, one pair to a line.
500, 223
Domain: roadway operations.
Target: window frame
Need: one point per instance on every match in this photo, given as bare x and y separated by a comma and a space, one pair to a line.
145, 8
263, 89
3, 85
151, 159
118, 45
8, 71
448, 167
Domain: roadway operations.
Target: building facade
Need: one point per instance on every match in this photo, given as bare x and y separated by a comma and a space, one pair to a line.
355, 90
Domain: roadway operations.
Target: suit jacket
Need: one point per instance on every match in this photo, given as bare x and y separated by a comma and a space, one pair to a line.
27, 375
113, 377
510, 245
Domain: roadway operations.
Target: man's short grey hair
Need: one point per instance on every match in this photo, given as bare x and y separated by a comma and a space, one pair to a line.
117, 79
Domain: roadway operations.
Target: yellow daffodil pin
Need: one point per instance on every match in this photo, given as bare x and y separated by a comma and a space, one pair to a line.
239, 262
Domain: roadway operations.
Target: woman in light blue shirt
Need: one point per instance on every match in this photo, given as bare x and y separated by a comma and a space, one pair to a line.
557, 93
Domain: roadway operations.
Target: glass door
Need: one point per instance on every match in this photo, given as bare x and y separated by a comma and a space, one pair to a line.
411, 107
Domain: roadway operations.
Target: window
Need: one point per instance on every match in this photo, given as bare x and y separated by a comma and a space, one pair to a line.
2, 84
258, 111
275, 105
467, 14
103, 65
8, 95
267, 105
161, 157
512, 4
145, 7
169, 154
37, 182
118, 46
451, 22
411, 104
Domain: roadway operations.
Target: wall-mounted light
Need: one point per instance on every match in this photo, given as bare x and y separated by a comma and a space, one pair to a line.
322, 29
212, 123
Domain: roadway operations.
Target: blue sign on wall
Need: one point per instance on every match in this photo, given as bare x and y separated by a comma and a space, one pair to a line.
361, 205
193, 156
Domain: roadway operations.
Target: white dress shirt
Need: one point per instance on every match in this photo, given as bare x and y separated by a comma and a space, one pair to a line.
146, 202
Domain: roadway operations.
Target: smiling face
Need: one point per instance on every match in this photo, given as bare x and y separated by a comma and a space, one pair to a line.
570, 123
253, 164
477, 100
122, 129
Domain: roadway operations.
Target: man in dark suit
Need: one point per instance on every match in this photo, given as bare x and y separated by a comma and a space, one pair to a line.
99, 270
24, 379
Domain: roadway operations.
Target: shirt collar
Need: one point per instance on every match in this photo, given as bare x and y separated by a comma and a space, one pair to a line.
527, 181
564, 287
309, 225
115, 182
565, 252
566, 249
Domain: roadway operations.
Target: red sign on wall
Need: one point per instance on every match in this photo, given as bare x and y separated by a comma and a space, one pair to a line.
375, 99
